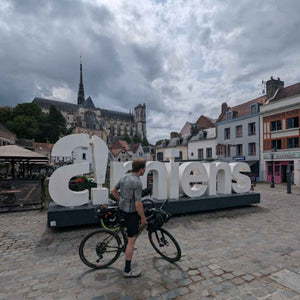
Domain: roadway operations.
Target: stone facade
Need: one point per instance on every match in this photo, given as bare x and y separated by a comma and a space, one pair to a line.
85, 115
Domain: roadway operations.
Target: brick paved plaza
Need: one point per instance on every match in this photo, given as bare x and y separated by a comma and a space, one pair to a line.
246, 253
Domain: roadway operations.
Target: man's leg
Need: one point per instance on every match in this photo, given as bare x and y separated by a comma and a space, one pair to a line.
130, 248
132, 230
128, 256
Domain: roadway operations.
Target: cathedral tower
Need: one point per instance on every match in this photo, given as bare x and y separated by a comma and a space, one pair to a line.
140, 120
80, 97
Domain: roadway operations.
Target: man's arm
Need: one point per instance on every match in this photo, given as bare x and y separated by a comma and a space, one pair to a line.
140, 209
115, 193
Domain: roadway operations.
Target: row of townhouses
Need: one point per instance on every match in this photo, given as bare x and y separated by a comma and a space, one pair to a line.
263, 132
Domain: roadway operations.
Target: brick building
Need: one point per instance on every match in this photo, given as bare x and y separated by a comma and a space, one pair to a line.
280, 132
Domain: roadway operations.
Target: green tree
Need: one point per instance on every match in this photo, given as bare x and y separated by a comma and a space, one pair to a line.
145, 142
136, 138
56, 125
6, 114
24, 127
126, 138
28, 109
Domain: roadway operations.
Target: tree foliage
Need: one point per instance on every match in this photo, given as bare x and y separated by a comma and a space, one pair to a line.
6, 114
28, 121
136, 138
24, 126
145, 142
57, 124
127, 138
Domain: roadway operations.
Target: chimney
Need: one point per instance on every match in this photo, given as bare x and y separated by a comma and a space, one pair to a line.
272, 86
224, 108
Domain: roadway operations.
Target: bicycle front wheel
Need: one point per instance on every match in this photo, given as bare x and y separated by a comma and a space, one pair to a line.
100, 248
165, 244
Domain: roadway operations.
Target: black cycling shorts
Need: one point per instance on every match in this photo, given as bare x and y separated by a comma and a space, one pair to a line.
132, 223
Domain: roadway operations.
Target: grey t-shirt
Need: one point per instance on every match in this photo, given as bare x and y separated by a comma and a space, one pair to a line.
130, 187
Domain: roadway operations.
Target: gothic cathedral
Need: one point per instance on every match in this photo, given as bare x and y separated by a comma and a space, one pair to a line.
84, 117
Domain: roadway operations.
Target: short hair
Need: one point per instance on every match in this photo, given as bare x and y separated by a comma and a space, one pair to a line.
138, 164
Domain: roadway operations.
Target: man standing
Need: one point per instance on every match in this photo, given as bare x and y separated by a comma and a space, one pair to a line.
131, 206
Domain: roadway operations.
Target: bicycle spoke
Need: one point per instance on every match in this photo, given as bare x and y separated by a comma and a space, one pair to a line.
165, 244
100, 248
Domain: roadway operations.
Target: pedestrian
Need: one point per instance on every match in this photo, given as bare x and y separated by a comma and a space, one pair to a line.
131, 207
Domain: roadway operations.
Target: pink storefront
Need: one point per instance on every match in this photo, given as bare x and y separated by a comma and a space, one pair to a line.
279, 168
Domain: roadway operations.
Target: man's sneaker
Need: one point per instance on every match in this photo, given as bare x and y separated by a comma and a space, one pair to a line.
132, 274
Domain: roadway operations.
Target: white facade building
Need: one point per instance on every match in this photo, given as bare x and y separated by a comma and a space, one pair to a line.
202, 146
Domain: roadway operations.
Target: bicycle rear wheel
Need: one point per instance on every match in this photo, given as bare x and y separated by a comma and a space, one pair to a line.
100, 248
165, 244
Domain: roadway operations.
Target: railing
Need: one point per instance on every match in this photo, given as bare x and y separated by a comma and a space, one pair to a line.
21, 194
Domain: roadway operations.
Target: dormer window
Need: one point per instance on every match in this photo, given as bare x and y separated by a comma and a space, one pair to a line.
229, 115
253, 108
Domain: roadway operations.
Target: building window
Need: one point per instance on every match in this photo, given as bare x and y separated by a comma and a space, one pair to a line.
253, 108
208, 152
226, 133
276, 125
228, 151
229, 115
239, 131
160, 156
83, 156
180, 154
251, 129
276, 144
293, 142
200, 153
140, 154
239, 150
293, 122
252, 149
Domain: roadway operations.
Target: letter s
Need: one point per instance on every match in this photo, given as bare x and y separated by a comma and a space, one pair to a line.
243, 182
59, 181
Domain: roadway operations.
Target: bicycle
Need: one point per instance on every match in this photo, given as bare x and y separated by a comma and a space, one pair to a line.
102, 247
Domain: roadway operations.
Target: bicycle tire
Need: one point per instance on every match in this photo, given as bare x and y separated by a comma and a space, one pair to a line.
153, 239
110, 228
99, 248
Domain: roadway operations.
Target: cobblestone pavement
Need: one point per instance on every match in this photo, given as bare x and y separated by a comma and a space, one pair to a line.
229, 254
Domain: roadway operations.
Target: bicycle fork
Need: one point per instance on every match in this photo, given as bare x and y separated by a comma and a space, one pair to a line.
161, 240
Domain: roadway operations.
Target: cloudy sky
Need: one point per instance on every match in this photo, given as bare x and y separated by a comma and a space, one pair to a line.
183, 58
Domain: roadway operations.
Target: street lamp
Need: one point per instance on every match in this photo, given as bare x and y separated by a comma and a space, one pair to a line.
272, 179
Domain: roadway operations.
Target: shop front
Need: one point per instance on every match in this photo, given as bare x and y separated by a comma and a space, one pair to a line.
278, 169
277, 164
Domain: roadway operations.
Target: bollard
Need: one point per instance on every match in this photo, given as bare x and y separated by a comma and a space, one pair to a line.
288, 179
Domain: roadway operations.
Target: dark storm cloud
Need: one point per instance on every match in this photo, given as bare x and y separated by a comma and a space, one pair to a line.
177, 57
149, 60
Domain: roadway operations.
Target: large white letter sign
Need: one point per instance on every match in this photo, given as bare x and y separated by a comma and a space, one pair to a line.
218, 173
59, 180
173, 180
243, 182
99, 195
159, 172
173, 173
186, 178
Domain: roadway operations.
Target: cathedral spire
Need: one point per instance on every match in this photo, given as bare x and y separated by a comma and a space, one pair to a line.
80, 97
